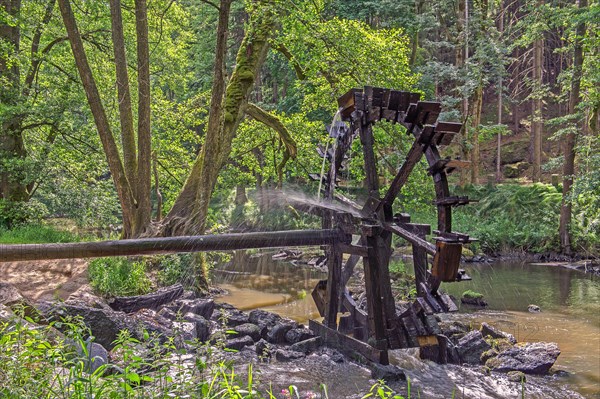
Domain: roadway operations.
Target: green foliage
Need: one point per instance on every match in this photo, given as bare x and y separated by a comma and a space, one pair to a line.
18, 213
176, 268
35, 234
511, 217
472, 294
119, 276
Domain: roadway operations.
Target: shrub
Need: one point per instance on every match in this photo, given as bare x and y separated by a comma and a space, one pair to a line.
119, 276
35, 234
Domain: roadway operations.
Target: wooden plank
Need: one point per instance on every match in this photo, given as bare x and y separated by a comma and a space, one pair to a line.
318, 296
431, 300
415, 97
354, 249
394, 102
446, 260
412, 158
332, 299
419, 326
374, 295
411, 237
366, 139
448, 303
411, 332
404, 101
348, 344
164, 245
432, 325
423, 306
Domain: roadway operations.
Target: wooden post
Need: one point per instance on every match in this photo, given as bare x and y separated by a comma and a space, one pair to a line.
332, 299
375, 305
420, 257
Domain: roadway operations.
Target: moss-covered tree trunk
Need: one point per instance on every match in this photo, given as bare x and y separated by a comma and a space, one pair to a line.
188, 214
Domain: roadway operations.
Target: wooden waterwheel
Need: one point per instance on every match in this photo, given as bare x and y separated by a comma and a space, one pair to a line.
382, 326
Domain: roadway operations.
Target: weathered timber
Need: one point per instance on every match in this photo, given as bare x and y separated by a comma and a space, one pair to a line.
375, 306
348, 344
412, 158
411, 237
149, 246
446, 260
154, 300
318, 296
420, 260
332, 300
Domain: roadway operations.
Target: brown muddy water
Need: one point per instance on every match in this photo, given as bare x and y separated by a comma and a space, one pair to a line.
569, 300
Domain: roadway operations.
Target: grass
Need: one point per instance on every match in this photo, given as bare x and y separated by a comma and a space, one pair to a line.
36, 234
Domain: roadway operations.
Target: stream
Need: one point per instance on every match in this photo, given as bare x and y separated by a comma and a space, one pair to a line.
570, 316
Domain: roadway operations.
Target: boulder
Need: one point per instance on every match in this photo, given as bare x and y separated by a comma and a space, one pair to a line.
12, 299
516, 376
202, 307
471, 347
202, 325
263, 350
184, 330
239, 343
298, 334
491, 331
104, 323
388, 373
284, 355
263, 318
278, 333
248, 329
94, 355
528, 358
307, 346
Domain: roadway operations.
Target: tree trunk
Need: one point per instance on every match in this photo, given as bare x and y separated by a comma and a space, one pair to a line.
537, 119
133, 186
475, 122
13, 188
570, 140
188, 215
142, 185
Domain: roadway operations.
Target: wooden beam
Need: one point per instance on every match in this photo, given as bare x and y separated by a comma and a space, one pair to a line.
348, 344
411, 237
163, 245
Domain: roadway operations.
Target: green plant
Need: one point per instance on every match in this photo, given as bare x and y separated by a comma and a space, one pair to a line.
119, 276
35, 234
472, 294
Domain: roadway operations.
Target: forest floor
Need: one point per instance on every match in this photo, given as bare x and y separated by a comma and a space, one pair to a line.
46, 280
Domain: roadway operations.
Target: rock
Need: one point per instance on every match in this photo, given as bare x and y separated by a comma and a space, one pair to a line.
12, 299
307, 346
202, 307
534, 309
284, 355
228, 315
514, 152
263, 350
529, 358
450, 328
278, 333
263, 318
202, 325
485, 356
168, 314
239, 343
516, 376
184, 330
104, 323
388, 373
249, 329
471, 347
491, 331
94, 354
298, 334
474, 301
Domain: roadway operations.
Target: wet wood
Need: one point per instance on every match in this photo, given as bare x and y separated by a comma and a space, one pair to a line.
153, 300
413, 238
332, 300
348, 344
150, 246
446, 260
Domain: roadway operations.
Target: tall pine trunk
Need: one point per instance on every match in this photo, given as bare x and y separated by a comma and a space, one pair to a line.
571, 138
537, 118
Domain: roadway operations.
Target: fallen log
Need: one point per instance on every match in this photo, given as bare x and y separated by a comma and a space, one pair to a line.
151, 246
154, 300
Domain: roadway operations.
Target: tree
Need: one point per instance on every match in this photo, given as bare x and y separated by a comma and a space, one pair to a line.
571, 137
